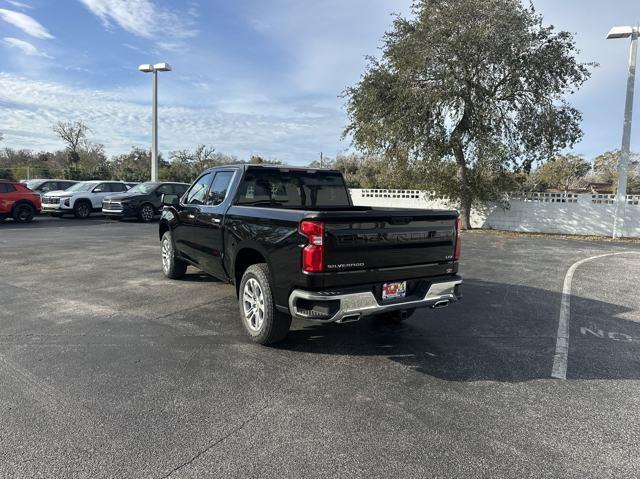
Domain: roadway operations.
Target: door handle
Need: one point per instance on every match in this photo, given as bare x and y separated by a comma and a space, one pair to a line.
216, 221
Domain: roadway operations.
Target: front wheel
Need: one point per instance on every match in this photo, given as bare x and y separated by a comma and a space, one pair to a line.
262, 321
23, 213
82, 209
172, 267
147, 212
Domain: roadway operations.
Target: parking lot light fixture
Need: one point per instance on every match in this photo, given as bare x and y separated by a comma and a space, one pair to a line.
154, 69
623, 162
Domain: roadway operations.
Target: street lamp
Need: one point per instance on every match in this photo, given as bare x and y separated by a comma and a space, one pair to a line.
623, 163
154, 69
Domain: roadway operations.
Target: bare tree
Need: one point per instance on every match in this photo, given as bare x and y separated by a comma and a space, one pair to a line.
74, 134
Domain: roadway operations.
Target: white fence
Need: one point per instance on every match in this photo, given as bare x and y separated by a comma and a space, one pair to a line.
572, 213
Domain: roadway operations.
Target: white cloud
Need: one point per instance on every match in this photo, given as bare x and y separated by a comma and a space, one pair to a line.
21, 5
142, 18
26, 47
25, 23
121, 119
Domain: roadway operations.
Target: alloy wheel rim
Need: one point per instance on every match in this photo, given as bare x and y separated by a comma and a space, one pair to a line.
147, 213
84, 211
166, 255
23, 213
253, 305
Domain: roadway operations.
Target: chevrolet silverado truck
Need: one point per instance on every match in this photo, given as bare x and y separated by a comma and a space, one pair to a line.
295, 246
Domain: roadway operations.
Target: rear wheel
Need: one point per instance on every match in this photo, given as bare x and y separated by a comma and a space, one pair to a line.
172, 267
23, 212
82, 209
262, 321
146, 213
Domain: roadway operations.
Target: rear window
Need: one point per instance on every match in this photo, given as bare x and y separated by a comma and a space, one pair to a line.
293, 189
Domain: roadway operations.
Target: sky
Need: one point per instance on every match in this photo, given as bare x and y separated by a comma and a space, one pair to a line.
249, 77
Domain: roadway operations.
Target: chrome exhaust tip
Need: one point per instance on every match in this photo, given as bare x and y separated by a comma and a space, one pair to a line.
350, 318
441, 304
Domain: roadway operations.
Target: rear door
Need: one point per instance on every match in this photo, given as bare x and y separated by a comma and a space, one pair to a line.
6, 199
389, 239
100, 191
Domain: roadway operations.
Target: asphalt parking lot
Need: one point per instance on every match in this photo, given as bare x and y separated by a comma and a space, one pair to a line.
109, 370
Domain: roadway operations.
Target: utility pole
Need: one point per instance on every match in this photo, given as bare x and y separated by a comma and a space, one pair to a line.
154, 69
623, 162
321, 164
154, 127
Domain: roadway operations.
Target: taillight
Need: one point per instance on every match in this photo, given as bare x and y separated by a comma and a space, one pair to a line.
313, 253
456, 251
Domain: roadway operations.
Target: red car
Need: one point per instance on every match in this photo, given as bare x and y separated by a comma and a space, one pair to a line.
18, 201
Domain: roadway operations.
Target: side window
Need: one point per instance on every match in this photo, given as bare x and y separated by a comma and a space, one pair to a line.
101, 188
65, 185
198, 191
164, 189
179, 189
118, 187
47, 186
3, 187
219, 187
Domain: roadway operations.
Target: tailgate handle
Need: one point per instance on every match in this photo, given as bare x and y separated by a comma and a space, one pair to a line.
401, 221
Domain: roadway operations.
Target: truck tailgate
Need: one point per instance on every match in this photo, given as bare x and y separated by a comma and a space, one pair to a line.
389, 238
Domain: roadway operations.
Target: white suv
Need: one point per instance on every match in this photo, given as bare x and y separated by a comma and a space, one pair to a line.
80, 199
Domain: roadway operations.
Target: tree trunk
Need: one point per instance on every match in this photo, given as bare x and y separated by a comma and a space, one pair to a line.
466, 196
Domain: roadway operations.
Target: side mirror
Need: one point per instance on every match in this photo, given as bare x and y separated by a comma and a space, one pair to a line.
170, 200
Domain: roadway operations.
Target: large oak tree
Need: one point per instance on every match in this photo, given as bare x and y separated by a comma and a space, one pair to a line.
477, 87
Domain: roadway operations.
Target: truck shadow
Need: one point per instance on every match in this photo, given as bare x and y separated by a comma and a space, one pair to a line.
45, 221
498, 332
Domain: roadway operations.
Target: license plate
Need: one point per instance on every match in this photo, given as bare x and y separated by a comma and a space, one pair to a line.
394, 290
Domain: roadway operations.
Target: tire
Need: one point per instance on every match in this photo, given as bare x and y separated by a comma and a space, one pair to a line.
146, 213
172, 267
82, 209
23, 212
266, 325
398, 316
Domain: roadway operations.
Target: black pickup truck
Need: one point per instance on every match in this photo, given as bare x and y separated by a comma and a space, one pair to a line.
293, 244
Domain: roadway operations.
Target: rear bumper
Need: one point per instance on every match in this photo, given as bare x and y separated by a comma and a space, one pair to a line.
344, 307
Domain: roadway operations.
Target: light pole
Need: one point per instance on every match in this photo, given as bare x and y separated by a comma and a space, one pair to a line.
623, 163
154, 69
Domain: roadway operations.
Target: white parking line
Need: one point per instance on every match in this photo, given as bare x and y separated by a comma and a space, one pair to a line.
559, 370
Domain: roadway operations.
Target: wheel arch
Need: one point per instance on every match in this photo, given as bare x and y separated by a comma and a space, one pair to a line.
244, 258
163, 228
22, 201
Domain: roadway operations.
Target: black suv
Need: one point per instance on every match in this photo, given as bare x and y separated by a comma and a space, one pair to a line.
143, 201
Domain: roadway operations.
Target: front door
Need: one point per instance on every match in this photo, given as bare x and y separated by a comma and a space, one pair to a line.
187, 234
